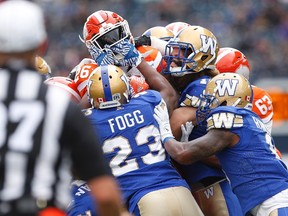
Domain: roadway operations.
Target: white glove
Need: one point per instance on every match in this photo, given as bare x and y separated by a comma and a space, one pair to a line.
186, 131
162, 117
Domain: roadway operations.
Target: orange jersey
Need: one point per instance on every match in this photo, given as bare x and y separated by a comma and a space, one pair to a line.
138, 84
152, 56
82, 75
263, 107
262, 104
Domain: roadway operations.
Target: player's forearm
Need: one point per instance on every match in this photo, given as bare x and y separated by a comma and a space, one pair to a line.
159, 83
188, 152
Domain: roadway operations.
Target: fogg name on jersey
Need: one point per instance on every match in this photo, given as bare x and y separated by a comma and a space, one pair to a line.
126, 121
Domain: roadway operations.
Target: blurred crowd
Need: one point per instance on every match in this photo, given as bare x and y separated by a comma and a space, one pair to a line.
258, 28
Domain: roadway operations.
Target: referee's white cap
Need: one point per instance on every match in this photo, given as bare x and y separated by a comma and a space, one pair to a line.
22, 26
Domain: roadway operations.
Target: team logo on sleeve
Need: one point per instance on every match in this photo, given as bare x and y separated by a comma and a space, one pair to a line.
226, 87
191, 101
224, 120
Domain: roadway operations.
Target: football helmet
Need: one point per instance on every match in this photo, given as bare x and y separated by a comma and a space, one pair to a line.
105, 27
159, 32
176, 27
108, 87
230, 60
194, 49
66, 84
226, 89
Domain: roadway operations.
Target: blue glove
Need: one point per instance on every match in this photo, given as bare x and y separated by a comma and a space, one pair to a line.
130, 55
102, 57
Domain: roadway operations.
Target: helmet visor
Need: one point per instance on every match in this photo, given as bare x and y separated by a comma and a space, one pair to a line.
111, 36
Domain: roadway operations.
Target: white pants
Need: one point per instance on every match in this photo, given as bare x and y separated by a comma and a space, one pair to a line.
266, 208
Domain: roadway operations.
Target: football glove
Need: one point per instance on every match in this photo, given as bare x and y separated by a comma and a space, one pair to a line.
162, 117
102, 57
186, 131
129, 55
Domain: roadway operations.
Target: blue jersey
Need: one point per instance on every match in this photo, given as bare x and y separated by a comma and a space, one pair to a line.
254, 169
82, 202
133, 148
198, 170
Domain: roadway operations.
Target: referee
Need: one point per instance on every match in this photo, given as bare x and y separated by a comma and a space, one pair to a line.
42, 133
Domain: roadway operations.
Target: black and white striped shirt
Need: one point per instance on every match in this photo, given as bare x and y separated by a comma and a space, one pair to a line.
41, 133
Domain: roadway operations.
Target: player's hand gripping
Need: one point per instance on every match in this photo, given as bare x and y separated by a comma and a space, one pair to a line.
162, 117
186, 131
102, 57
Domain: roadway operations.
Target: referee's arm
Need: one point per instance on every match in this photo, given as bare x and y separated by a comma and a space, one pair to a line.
89, 163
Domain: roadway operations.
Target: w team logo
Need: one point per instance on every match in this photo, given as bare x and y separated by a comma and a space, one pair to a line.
226, 86
208, 43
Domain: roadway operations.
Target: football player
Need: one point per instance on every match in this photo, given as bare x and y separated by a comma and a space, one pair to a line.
157, 36
109, 41
240, 141
131, 144
190, 58
231, 60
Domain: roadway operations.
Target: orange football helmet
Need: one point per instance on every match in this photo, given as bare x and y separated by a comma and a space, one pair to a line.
230, 60
66, 84
105, 27
176, 27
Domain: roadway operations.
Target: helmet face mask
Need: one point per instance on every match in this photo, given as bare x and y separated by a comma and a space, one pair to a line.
181, 54
108, 87
110, 36
226, 89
